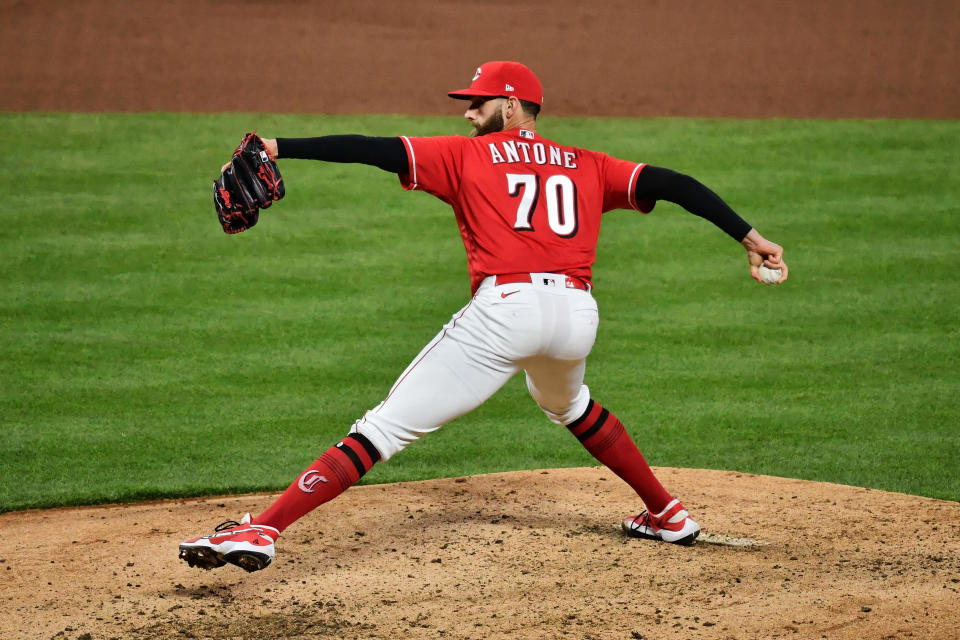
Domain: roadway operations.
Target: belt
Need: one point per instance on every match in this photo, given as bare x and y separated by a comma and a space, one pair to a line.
548, 279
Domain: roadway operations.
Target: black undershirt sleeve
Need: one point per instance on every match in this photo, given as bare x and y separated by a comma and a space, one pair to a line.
657, 183
388, 154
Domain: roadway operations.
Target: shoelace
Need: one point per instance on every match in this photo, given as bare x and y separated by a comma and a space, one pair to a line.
642, 519
229, 524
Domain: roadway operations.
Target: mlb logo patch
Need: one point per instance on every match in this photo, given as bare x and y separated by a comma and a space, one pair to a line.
526, 134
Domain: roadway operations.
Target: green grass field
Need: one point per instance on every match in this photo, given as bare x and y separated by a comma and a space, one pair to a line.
145, 354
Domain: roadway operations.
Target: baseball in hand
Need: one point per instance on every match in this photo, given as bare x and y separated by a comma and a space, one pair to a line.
770, 276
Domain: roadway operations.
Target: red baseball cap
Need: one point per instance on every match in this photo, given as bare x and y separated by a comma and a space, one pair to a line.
503, 78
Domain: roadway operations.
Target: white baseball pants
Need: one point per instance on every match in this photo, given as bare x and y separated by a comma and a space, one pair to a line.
542, 327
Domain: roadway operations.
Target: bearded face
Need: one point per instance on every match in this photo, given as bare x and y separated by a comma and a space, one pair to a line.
492, 124
485, 114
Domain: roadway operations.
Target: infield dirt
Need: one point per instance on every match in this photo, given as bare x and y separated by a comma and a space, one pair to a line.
730, 58
520, 555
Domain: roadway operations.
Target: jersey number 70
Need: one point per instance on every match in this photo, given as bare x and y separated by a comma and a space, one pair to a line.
561, 198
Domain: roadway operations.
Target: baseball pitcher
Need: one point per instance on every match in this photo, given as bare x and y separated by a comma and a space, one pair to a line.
529, 212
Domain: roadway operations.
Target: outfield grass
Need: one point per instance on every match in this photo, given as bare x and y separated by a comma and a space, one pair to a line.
146, 354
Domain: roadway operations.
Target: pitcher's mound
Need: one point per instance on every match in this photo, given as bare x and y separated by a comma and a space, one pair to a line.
534, 554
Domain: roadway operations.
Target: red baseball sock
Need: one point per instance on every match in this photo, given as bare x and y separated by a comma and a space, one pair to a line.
338, 469
605, 438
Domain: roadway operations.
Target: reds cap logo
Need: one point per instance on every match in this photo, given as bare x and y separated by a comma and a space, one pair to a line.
476, 75
309, 480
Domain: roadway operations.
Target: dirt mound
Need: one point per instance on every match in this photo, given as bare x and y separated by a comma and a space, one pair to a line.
533, 554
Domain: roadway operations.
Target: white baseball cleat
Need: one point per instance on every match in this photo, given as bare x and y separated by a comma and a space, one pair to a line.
246, 545
673, 525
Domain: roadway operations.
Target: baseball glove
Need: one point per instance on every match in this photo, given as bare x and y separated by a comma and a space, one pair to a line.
249, 183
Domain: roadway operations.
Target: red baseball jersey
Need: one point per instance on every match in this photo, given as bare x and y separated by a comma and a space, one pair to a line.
523, 203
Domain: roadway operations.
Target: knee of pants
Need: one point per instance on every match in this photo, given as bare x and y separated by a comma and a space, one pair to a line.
387, 436
567, 412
